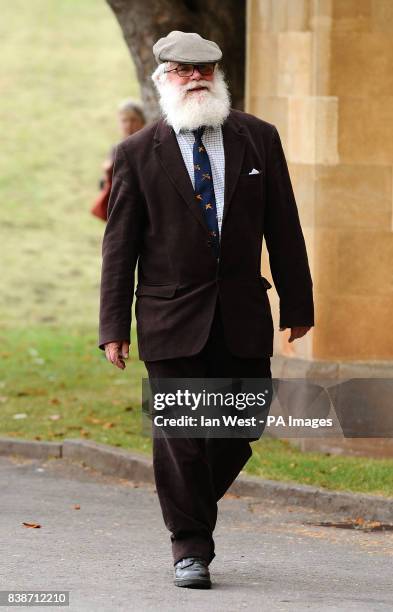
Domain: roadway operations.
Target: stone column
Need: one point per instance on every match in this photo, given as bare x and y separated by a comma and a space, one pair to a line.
322, 72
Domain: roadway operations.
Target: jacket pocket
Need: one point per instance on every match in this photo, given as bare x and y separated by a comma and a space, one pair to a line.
251, 176
163, 291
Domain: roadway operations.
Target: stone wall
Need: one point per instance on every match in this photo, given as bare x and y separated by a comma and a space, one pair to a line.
321, 71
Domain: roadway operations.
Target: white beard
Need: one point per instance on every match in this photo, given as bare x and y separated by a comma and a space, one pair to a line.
190, 111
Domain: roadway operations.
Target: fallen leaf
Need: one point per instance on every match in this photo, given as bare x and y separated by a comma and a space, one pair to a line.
32, 525
108, 425
77, 507
359, 524
55, 401
93, 420
35, 392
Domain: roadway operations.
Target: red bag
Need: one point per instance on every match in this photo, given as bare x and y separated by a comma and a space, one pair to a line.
100, 207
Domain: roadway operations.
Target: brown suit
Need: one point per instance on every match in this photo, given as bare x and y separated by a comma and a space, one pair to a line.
184, 331
154, 218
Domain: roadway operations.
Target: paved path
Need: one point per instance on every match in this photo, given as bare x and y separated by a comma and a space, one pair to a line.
113, 554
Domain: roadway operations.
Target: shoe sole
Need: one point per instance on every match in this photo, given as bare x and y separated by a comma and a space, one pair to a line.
193, 583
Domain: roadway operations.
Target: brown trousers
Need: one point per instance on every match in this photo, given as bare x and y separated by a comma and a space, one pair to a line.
192, 474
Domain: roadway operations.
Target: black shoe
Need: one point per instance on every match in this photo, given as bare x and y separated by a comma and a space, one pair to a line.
193, 573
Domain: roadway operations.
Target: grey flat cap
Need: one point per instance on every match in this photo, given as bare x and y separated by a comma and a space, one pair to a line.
186, 47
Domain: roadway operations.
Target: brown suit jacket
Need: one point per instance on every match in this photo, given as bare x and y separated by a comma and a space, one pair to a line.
154, 220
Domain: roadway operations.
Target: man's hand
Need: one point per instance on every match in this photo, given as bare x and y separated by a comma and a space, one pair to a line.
116, 352
296, 332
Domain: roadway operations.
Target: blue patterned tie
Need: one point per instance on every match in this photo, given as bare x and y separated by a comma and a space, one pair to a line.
204, 189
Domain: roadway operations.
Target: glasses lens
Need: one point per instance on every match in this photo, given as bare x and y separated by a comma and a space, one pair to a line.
185, 70
206, 69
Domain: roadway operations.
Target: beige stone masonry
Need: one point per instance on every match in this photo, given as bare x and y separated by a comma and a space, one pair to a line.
322, 72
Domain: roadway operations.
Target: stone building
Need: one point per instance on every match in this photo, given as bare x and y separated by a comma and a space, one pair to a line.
322, 72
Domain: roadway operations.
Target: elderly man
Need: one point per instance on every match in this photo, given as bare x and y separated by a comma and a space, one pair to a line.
193, 195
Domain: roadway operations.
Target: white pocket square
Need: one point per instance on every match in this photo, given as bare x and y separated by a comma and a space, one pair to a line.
254, 171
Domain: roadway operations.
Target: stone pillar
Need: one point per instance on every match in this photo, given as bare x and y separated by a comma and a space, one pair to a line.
321, 71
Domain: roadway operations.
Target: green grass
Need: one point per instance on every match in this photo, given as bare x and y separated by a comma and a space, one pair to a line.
66, 388
280, 460
65, 67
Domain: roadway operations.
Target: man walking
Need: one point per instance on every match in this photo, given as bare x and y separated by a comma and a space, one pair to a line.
193, 194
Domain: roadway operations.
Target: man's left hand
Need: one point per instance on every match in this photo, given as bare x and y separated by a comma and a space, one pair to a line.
296, 332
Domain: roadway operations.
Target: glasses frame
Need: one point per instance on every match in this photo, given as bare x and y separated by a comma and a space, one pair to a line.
213, 64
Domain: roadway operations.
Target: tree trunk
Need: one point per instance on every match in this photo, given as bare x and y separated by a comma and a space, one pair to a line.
143, 22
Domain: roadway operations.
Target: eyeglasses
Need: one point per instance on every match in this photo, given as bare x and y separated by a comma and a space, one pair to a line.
187, 70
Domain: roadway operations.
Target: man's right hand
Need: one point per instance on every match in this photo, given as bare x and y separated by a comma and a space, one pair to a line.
116, 352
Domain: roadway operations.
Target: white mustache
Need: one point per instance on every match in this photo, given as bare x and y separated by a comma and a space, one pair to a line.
197, 85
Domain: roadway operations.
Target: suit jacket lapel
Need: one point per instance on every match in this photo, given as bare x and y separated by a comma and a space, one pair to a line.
234, 146
170, 156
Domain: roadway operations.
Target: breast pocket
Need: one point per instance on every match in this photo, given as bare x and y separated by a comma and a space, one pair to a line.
252, 174
250, 182
249, 191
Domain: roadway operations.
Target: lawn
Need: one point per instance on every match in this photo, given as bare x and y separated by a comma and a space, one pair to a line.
65, 68
55, 385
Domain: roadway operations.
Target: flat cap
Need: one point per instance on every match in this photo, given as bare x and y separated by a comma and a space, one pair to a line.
186, 47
